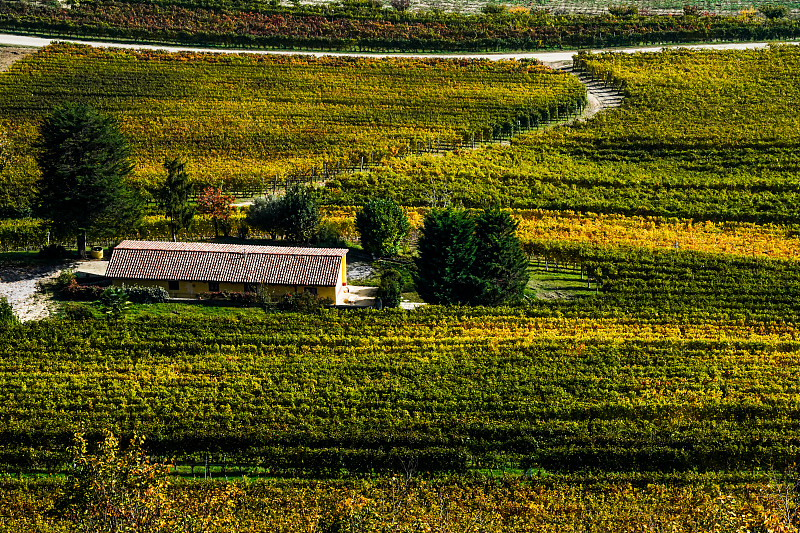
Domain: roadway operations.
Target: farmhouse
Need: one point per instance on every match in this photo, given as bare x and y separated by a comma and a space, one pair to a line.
186, 269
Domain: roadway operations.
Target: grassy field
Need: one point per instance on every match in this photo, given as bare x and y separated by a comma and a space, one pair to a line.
553, 283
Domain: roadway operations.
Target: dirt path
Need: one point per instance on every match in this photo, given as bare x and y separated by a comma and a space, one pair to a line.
600, 96
10, 54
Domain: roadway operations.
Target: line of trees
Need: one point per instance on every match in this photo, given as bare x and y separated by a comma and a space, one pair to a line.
462, 258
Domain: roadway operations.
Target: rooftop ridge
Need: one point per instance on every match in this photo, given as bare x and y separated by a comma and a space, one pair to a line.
243, 249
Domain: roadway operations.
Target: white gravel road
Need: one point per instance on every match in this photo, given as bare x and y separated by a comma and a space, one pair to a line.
548, 57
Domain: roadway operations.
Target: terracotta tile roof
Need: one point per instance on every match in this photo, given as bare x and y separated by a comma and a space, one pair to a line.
231, 263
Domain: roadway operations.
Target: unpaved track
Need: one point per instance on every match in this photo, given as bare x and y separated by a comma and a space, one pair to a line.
11, 54
546, 57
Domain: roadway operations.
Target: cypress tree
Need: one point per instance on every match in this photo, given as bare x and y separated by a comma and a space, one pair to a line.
173, 196
85, 162
502, 267
447, 250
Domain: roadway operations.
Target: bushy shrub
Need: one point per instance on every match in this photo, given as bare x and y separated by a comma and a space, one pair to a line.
690, 11
623, 10
114, 302
239, 298
7, 316
390, 288
53, 252
146, 295
303, 302
64, 279
243, 298
493, 9
212, 295
774, 11
81, 293
72, 311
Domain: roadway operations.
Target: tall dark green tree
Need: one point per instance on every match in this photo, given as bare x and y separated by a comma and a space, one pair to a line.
447, 250
301, 213
502, 266
174, 196
382, 225
85, 162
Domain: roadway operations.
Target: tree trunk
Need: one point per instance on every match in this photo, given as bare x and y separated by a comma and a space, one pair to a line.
174, 232
82, 245
216, 226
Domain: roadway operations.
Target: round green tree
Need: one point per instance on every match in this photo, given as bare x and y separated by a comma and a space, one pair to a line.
301, 213
267, 214
382, 225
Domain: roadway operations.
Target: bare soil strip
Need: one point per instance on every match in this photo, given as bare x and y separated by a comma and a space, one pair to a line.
9, 55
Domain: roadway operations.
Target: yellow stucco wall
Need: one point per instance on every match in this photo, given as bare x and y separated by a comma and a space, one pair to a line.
138, 283
190, 289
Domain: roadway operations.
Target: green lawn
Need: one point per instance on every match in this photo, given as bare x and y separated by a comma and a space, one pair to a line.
552, 284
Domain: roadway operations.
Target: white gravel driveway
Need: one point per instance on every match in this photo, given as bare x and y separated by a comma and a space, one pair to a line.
19, 284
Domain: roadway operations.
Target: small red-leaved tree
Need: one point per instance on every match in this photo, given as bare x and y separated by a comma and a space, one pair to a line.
219, 206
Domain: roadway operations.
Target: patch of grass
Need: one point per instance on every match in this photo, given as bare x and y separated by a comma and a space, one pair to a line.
412, 297
23, 258
552, 284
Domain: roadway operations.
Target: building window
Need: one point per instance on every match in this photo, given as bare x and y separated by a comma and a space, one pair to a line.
213, 286
250, 287
174, 285
312, 290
